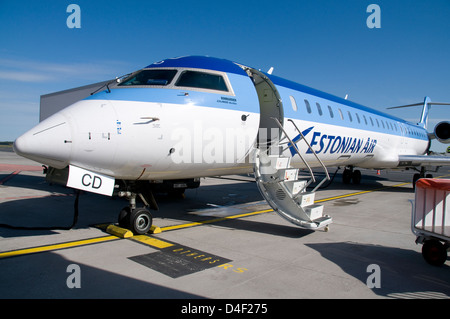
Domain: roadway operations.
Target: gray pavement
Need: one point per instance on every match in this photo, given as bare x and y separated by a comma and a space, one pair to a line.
257, 256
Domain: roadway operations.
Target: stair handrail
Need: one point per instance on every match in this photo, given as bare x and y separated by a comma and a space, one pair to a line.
327, 176
296, 149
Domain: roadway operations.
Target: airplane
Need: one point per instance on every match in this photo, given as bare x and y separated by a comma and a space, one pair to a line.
167, 125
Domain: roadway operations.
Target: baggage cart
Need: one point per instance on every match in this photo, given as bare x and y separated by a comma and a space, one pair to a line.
430, 220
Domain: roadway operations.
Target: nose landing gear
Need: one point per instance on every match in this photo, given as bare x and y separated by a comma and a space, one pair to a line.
137, 219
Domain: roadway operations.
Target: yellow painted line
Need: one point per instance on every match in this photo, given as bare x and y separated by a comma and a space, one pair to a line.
168, 228
214, 220
151, 241
40, 249
359, 193
369, 191
162, 244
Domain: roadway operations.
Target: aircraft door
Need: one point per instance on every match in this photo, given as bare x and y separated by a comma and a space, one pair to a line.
271, 107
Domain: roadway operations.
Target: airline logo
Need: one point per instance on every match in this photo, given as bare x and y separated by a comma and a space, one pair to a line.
336, 144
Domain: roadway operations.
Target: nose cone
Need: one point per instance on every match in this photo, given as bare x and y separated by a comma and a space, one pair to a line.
48, 143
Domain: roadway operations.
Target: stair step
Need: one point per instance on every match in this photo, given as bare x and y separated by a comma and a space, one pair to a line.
314, 211
289, 174
282, 162
306, 199
323, 221
296, 186
285, 191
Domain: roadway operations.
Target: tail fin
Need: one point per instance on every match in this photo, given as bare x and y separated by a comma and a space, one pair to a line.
424, 117
426, 108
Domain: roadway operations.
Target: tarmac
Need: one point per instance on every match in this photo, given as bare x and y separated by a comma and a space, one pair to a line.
222, 241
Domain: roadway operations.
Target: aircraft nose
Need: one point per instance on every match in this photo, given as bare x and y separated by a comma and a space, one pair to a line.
49, 142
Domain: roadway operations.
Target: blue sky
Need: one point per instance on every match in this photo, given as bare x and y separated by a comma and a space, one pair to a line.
323, 44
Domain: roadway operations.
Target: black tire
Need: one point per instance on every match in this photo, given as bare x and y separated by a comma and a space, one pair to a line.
124, 217
434, 252
356, 177
140, 221
347, 176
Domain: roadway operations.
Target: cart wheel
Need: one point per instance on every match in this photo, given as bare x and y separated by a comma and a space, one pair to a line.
434, 252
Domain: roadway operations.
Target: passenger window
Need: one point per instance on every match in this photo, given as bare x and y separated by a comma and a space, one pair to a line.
202, 80
293, 103
350, 116
331, 111
319, 109
382, 123
340, 113
378, 123
150, 77
357, 118
365, 120
371, 121
308, 107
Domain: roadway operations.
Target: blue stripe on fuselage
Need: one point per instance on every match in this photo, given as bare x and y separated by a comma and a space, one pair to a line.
305, 89
300, 93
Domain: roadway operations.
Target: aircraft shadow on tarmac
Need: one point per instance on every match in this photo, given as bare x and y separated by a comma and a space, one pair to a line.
403, 273
55, 208
44, 276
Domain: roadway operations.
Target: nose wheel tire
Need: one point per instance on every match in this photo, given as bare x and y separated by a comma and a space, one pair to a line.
138, 220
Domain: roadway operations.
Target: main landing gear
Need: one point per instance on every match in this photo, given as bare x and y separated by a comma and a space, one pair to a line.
349, 175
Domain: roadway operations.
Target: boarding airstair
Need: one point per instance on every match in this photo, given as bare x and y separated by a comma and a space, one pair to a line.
280, 183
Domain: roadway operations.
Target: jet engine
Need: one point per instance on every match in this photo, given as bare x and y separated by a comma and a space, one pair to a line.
442, 132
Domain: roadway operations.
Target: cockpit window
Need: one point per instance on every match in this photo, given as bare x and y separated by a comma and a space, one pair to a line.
150, 77
202, 80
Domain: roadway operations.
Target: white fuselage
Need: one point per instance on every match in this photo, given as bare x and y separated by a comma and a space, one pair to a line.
168, 131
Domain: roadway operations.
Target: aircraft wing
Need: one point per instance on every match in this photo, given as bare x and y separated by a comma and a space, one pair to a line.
422, 160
